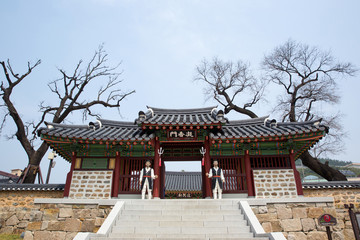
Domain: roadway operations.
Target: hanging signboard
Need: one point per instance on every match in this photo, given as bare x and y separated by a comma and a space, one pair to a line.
181, 135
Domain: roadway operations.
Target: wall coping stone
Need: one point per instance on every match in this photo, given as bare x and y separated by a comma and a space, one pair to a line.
300, 199
251, 201
103, 202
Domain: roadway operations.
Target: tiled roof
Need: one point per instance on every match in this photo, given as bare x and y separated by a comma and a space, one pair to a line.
32, 187
264, 127
196, 116
131, 131
183, 181
331, 185
102, 129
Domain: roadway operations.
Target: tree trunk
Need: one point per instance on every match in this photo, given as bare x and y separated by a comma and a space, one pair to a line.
34, 162
322, 169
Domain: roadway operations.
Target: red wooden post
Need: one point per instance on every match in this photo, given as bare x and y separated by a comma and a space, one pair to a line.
116, 177
296, 174
249, 180
207, 167
156, 189
69, 175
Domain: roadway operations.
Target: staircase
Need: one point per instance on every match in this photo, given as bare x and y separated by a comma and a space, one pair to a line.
180, 219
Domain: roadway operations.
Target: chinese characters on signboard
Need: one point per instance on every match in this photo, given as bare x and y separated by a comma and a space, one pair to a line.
182, 134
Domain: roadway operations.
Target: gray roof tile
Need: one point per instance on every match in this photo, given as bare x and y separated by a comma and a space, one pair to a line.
183, 181
194, 116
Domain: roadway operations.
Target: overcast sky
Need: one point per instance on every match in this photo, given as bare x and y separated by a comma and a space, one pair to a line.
159, 44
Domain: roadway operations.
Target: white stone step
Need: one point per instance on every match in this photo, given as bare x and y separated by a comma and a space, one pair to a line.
181, 219
181, 212
169, 223
180, 207
182, 202
178, 237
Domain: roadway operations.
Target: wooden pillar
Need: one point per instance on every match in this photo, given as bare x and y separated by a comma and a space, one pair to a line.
69, 175
207, 166
296, 174
116, 177
249, 179
156, 190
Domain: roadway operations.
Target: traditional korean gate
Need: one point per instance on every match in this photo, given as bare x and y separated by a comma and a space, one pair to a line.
130, 168
234, 173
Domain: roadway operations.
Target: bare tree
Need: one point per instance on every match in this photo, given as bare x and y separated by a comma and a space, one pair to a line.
309, 78
228, 83
70, 91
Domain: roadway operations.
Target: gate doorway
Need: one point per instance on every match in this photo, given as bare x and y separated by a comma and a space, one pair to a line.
188, 184
182, 180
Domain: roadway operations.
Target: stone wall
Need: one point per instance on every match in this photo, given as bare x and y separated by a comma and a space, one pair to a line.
19, 213
91, 185
17, 208
64, 221
341, 196
298, 221
277, 183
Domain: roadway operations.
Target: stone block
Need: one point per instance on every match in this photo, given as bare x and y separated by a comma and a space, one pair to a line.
291, 225
28, 235
88, 226
33, 226
266, 217
275, 226
42, 235
284, 213
263, 209
50, 214
58, 235
299, 212
44, 225
36, 216
22, 224
315, 212
349, 234
65, 212
56, 226
338, 236
12, 221
267, 227
308, 224
99, 221
72, 225
317, 236
7, 230
70, 236
296, 236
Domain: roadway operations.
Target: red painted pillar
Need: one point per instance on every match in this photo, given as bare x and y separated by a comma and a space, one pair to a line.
69, 175
207, 166
249, 180
156, 190
116, 176
296, 174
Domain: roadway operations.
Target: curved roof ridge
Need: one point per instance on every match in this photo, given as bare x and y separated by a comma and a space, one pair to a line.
117, 123
65, 125
183, 110
247, 121
300, 123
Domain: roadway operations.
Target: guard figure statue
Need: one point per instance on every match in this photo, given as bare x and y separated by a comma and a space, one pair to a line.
217, 179
147, 179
